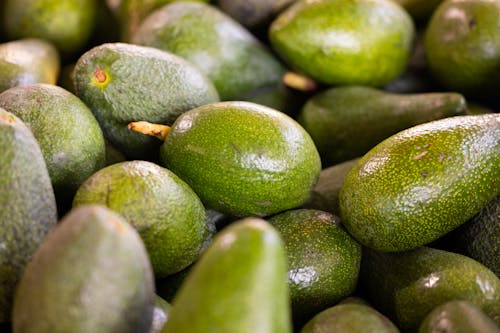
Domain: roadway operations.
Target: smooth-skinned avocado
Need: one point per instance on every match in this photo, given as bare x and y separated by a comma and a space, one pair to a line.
167, 213
241, 158
91, 274
28, 61
122, 83
422, 182
345, 42
406, 286
160, 314
346, 122
27, 204
323, 260
238, 285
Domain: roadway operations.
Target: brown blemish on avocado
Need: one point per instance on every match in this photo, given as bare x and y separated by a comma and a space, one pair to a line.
421, 155
472, 23
100, 75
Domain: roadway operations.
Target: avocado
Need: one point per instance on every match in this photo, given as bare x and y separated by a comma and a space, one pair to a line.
238, 285
325, 194
422, 182
462, 46
68, 24
350, 318
113, 155
69, 135
256, 161
122, 83
345, 42
238, 64
458, 316
406, 286
91, 274
346, 122
323, 260
420, 10
168, 215
160, 314
27, 204
27, 61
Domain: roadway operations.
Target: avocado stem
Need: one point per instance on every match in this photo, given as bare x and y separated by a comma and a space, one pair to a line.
299, 81
157, 130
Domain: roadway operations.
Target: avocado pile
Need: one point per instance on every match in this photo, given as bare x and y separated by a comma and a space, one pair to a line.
249, 166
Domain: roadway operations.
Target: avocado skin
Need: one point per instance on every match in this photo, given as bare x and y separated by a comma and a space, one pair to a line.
423, 182
406, 286
160, 314
458, 316
27, 204
237, 63
350, 318
27, 61
345, 42
323, 260
256, 160
69, 136
91, 274
237, 286
346, 122
142, 83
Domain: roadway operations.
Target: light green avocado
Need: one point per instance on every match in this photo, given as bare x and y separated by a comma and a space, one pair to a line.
122, 83
422, 182
28, 61
345, 42
91, 274
238, 285
27, 204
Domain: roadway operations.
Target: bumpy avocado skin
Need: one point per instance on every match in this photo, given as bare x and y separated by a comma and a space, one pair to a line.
346, 122
458, 316
407, 285
28, 61
123, 83
323, 260
422, 182
350, 318
238, 285
242, 158
345, 42
236, 62
27, 204
69, 136
68, 24
91, 274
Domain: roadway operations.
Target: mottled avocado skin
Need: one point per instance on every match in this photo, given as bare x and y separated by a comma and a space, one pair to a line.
423, 182
123, 83
27, 204
407, 285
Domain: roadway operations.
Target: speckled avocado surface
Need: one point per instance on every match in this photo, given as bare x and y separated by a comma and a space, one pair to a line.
422, 182
345, 42
27, 204
242, 158
167, 213
122, 83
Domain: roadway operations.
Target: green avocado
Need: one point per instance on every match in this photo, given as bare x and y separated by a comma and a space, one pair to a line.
422, 182
69, 135
458, 316
406, 286
168, 215
239, 65
256, 161
68, 24
346, 122
160, 314
27, 204
350, 318
323, 260
345, 42
28, 61
91, 274
122, 83
238, 285
462, 46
